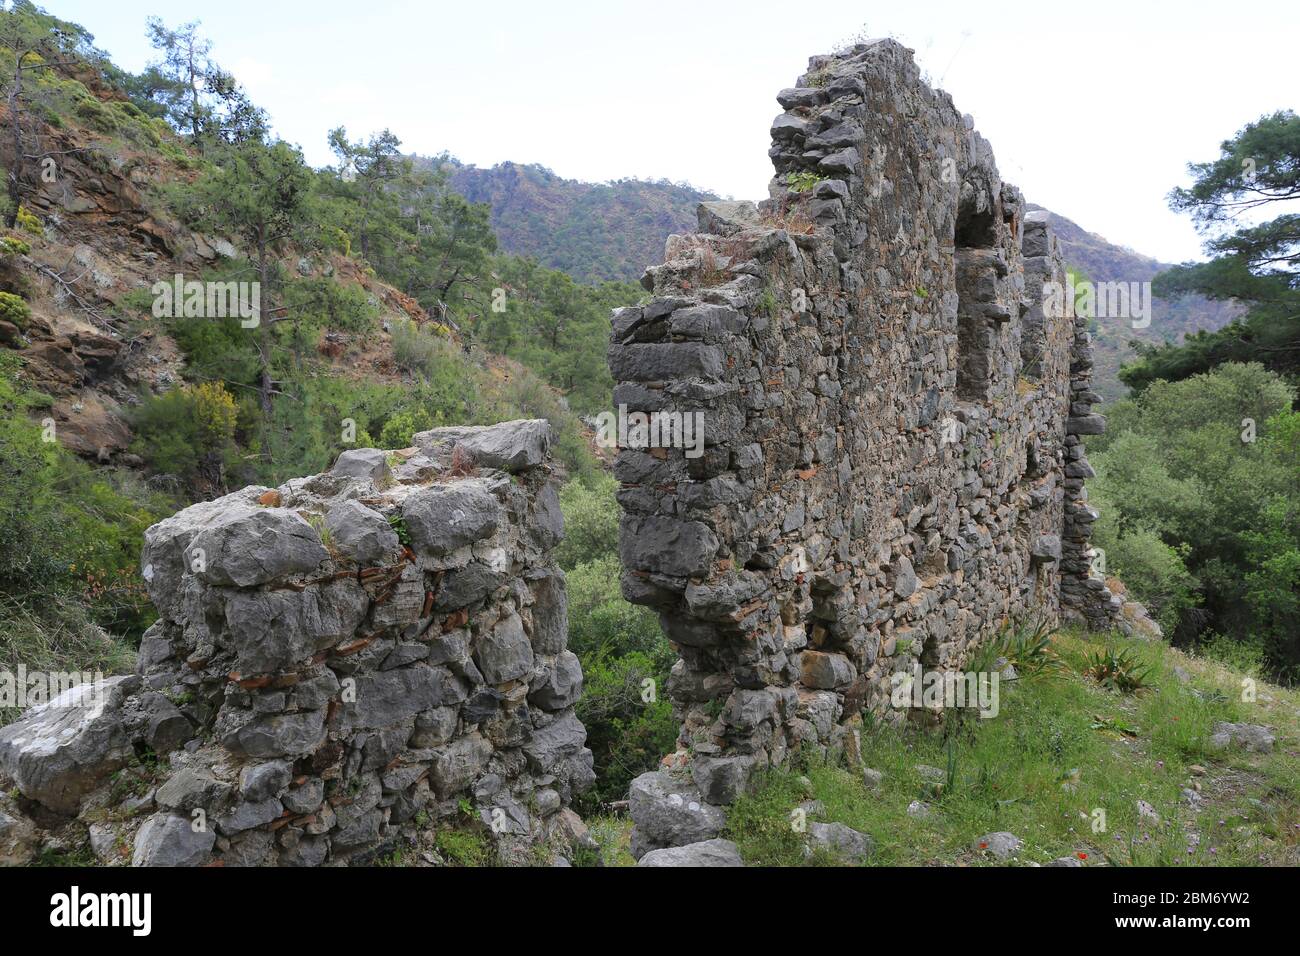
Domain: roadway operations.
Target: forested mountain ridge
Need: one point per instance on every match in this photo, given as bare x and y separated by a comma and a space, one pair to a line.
593, 231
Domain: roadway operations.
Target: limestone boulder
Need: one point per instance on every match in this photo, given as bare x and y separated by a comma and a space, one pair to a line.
669, 812
442, 518
58, 752
369, 463
840, 841
361, 533
165, 558
247, 548
166, 839
704, 853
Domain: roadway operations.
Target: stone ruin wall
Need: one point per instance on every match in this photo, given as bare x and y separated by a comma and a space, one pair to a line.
893, 469
339, 663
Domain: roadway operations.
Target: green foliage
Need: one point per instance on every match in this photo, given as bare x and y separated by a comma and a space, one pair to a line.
1243, 656
625, 659
463, 847
188, 433
417, 232
1158, 570
556, 327
70, 539
28, 222
422, 350
626, 733
96, 115
1258, 263
398, 524
187, 87
1198, 486
1025, 645
802, 181
1053, 750
400, 429
14, 310
258, 192
329, 303
601, 621
591, 517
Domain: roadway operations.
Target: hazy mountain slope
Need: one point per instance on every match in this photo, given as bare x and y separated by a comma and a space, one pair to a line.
1103, 261
593, 231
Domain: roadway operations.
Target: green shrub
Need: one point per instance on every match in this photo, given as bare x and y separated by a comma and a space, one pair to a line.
421, 351
1244, 656
328, 303
1153, 571
189, 433
803, 181
1200, 507
625, 661
627, 733
462, 847
399, 430
591, 517
96, 115
29, 223
1025, 645
14, 309
600, 621
70, 539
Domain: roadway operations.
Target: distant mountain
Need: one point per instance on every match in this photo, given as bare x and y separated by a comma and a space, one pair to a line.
593, 231
1103, 261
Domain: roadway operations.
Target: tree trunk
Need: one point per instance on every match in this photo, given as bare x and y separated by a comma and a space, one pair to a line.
194, 95
265, 383
16, 130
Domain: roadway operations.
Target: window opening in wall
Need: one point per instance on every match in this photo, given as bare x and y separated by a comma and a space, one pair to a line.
977, 263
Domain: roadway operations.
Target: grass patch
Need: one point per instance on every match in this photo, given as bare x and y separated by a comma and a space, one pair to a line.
612, 834
463, 848
1063, 767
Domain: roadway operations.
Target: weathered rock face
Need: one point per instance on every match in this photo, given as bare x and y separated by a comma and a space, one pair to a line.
893, 410
335, 659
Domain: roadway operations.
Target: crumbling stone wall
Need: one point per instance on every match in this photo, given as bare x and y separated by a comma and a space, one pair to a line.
893, 468
340, 664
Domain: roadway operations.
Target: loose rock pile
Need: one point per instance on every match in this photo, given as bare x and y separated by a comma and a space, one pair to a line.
340, 664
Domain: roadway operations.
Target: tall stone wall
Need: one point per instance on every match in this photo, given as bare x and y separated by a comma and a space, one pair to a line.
341, 665
892, 469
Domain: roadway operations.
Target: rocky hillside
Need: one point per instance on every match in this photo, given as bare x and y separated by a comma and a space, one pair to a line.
94, 237
118, 405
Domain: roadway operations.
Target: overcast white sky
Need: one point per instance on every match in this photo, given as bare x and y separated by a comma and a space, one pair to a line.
1094, 108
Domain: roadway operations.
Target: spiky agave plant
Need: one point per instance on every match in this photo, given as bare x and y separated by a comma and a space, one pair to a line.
1116, 669
1026, 645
